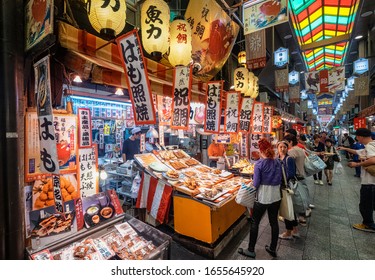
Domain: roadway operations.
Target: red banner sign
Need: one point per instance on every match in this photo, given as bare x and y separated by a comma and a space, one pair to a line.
359, 123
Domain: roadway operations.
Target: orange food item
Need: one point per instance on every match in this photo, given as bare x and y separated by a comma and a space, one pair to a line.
43, 196
50, 202
50, 195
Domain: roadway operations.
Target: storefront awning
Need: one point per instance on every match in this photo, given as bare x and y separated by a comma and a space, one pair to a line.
107, 66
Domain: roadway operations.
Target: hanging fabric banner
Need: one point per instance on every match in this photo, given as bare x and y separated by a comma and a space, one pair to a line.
245, 114
213, 108
267, 119
84, 127
161, 135
336, 79
231, 112
361, 86
294, 94
131, 54
245, 145
164, 109
48, 152
282, 80
257, 118
312, 82
213, 35
181, 97
323, 81
254, 148
255, 43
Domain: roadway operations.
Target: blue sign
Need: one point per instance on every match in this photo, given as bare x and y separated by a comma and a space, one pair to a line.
361, 66
281, 57
293, 77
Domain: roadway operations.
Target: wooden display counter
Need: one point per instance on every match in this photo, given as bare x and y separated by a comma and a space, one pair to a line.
203, 222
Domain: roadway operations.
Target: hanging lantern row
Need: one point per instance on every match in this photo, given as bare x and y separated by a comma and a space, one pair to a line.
246, 82
107, 19
158, 35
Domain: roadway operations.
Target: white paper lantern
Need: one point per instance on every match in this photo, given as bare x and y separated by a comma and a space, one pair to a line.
241, 79
180, 47
107, 17
155, 26
242, 58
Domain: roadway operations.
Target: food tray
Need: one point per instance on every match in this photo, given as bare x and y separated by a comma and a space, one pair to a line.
201, 196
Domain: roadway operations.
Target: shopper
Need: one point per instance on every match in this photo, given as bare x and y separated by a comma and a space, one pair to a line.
329, 153
290, 172
266, 179
367, 192
292, 131
357, 146
131, 146
347, 141
299, 156
318, 148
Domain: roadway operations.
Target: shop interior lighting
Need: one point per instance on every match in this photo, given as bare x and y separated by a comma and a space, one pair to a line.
119, 91
366, 14
103, 175
108, 103
358, 37
315, 21
77, 79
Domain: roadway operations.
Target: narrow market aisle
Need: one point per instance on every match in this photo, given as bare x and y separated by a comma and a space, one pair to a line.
328, 235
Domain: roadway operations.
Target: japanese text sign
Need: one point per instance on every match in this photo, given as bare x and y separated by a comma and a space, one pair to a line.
84, 126
245, 114
137, 78
181, 97
359, 123
213, 108
257, 118
231, 112
267, 119
88, 171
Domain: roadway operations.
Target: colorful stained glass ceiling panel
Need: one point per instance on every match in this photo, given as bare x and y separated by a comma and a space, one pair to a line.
325, 57
316, 20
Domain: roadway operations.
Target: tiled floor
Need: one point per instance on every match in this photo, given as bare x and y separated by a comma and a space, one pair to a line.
328, 235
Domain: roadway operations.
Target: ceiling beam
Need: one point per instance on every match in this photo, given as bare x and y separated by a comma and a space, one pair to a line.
326, 42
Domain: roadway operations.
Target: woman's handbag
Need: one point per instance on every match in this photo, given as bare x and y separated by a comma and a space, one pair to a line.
370, 169
286, 206
313, 164
246, 196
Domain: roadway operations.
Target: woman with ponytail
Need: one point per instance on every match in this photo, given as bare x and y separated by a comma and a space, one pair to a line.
266, 179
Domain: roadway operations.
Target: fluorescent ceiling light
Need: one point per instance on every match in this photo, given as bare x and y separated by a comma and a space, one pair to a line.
358, 37
366, 14
286, 37
119, 91
77, 79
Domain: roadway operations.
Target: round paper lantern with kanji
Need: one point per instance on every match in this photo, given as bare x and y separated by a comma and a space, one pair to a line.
180, 46
250, 87
241, 79
107, 17
155, 26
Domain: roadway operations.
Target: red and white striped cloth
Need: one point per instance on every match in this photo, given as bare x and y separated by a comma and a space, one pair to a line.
155, 196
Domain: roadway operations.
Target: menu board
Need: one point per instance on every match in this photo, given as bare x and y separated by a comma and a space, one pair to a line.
87, 171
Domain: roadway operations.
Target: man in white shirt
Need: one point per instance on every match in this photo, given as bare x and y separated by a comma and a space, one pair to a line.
367, 192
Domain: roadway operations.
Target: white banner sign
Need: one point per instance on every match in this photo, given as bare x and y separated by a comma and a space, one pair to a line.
87, 171
231, 112
213, 108
130, 50
257, 118
245, 114
267, 119
181, 97
84, 126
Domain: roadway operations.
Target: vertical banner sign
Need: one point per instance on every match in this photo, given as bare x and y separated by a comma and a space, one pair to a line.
359, 123
323, 76
256, 49
312, 82
84, 127
282, 80
57, 193
164, 109
245, 145
231, 112
294, 94
267, 119
336, 79
87, 171
257, 118
181, 97
161, 135
137, 78
213, 108
142, 143
245, 114
361, 86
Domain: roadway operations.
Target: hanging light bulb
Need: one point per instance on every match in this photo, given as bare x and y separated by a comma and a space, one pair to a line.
77, 79
242, 58
119, 91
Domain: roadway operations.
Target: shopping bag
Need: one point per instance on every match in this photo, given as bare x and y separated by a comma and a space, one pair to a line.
313, 164
300, 197
286, 207
246, 195
336, 158
370, 169
339, 168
